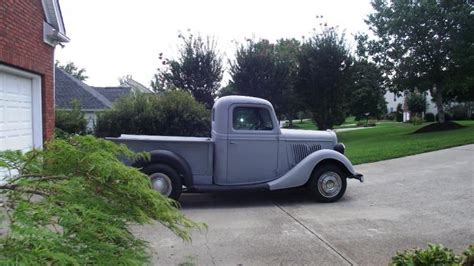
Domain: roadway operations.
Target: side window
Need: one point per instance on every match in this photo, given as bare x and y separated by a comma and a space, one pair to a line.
251, 118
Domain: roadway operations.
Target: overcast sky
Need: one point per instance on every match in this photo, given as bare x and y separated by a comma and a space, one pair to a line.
113, 38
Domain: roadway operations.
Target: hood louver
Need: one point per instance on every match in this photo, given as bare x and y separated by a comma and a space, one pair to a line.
300, 151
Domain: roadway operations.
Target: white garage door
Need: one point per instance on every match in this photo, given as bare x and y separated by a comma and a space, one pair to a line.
17, 107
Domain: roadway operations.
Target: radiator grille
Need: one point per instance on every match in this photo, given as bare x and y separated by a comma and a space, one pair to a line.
300, 151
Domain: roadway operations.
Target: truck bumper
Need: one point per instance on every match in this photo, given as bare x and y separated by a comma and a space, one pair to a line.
358, 176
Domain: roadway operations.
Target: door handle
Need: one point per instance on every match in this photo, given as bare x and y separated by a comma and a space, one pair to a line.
232, 142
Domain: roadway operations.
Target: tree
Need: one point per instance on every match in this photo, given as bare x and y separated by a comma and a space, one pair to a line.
73, 70
253, 70
323, 77
367, 92
171, 112
423, 44
198, 69
287, 52
73, 202
266, 70
416, 103
71, 122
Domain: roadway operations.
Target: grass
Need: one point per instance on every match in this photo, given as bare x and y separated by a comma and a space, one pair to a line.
393, 140
348, 123
309, 124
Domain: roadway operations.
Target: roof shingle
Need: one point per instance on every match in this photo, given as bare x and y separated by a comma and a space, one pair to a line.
113, 93
69, 88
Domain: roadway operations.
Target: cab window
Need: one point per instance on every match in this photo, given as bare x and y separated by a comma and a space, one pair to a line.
251, 118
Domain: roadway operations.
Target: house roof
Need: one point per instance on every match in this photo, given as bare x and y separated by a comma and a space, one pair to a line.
69, 88
128, 81
113, 93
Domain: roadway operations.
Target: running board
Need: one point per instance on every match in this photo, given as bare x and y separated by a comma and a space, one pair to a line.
217, 188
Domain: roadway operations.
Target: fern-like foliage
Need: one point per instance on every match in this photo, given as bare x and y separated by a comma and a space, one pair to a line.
73, 202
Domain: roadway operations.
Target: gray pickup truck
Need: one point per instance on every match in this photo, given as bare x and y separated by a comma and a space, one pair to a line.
247, 150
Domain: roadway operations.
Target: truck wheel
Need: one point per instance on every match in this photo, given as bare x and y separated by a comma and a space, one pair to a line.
328, 183
165, 180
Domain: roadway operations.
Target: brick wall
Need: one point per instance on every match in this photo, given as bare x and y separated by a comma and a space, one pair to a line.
22, 46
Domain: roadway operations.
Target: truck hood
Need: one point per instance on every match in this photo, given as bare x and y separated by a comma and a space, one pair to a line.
308, 135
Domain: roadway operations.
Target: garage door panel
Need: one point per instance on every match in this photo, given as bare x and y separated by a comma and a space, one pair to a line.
16, 112
14, 115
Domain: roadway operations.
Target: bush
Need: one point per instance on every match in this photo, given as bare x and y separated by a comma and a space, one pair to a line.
459, 112
447, 117
433, 255
468, 256
72, 204
391, 116
71, 122
173, 113
416, 121
429, 117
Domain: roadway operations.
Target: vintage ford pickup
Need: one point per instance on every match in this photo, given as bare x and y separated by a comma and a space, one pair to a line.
247, 150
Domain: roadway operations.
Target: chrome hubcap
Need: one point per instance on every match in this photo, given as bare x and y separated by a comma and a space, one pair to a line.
329, 184
161, 183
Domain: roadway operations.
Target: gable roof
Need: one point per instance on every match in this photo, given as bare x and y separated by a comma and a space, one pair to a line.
69, 88
113, 93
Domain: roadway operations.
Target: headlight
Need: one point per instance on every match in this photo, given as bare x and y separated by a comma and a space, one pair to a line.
340, 147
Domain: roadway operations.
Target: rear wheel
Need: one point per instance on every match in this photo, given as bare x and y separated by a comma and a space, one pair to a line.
328, 183
165, 180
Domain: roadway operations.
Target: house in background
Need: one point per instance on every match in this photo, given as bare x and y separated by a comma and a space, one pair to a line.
70, 89
30, 31
91, 99
128, 81
393, 101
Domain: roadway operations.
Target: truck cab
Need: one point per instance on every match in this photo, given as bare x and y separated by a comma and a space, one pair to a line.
247, 150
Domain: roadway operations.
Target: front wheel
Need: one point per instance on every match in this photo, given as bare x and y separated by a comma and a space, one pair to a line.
165, 180
328, 183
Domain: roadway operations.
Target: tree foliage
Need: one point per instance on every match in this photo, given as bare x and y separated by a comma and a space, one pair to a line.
71, 122
323, 77
416, 102
72, 69
423, 44
198, 69
72, 204
367, 92
266, 70
172, 112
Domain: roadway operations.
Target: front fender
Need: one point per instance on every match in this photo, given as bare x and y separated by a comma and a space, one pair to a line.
300, 173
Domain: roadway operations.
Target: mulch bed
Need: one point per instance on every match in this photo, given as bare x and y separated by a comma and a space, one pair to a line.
439, 127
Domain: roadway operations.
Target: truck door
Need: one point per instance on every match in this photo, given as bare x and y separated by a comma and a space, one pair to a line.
252, 145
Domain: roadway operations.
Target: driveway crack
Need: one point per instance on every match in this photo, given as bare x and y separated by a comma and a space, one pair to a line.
209, 250
324, 241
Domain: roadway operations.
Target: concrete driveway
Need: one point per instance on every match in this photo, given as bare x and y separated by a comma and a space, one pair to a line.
404, 203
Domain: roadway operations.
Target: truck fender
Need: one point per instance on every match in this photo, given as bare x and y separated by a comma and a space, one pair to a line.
174, 160
301, 173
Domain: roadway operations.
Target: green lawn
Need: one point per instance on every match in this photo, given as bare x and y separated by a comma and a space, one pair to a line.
392, 140
349, 122
308, 124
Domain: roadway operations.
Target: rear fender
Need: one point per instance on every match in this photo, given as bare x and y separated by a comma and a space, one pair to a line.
300, 174
174, 160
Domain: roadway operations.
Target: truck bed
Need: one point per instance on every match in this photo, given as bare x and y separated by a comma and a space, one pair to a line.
198, 152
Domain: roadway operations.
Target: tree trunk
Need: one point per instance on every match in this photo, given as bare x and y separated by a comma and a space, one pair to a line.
437, 93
